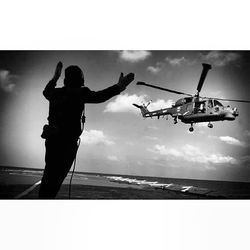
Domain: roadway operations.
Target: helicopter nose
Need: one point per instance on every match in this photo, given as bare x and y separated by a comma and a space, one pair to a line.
230, 115
235, 112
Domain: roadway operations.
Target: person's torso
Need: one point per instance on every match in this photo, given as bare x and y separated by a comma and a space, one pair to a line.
65, 111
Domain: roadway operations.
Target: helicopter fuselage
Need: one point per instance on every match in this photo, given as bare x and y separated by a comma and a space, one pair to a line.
195, 110
203, 110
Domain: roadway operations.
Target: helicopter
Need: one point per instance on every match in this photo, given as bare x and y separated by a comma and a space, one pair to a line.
193, 109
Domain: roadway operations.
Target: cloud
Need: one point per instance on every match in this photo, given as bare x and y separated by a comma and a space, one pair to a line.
172, 61
124, 103
229, 140
7, 80
134, 55
176, 61
232, 141
216, 58
192, 154
220, 59
95, 137
112, 158
161, 104
155, 69
162, 150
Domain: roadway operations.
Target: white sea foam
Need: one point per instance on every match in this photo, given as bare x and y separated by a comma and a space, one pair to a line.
186, 188
155, 184
23, 171
138, 182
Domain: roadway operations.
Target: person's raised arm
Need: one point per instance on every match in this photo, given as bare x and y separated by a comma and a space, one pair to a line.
124, 81
106, 94
52, 83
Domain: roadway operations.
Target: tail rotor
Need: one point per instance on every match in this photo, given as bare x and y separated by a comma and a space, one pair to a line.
143, 108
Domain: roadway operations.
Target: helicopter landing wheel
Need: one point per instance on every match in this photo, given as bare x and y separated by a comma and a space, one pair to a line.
210, 125
191, 129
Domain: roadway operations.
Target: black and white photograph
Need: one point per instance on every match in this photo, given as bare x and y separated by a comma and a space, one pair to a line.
124, 125
131, 124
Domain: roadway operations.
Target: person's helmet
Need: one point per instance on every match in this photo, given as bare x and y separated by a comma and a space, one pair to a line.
73, 77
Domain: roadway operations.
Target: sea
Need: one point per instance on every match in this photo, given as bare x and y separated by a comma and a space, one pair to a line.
18, 182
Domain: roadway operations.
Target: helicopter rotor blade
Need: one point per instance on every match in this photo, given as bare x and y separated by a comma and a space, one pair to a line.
230, 100
164, 89
206, 68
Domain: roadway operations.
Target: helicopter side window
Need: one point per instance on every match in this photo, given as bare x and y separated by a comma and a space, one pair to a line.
217, 103
199, 107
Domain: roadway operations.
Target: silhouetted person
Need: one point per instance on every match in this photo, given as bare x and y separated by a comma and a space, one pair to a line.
66, 118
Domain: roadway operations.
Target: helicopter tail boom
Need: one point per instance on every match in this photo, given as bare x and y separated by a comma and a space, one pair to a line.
158, 113
143, 109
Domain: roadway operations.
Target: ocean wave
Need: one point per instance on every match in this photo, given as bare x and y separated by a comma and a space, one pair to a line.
138, 182
158, 185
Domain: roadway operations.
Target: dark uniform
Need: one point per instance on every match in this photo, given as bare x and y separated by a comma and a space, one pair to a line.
66, 106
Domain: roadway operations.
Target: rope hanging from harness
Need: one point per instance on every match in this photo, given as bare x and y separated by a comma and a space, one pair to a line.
83, 118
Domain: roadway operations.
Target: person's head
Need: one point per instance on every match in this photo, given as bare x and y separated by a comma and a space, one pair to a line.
74, 77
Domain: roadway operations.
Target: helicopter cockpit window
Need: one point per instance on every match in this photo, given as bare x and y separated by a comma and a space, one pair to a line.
188, 99
217, 103
210, 104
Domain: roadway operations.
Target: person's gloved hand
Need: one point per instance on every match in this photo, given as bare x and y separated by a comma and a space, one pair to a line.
124, 81
58, 71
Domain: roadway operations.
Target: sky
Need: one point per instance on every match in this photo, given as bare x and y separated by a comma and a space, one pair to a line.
117, 140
